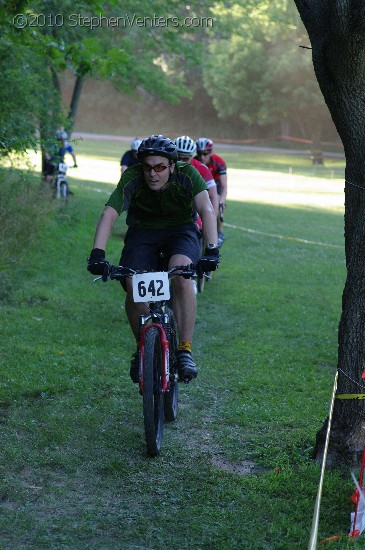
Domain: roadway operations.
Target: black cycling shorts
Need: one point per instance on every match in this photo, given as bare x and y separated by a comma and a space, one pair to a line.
142, 247
48, 168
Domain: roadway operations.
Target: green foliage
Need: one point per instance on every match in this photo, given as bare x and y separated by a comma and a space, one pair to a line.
25, 91
122, 42
257, 69
20, 191
252, 64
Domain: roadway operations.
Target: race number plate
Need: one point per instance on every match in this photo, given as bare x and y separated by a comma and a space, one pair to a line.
62, 168
151, 287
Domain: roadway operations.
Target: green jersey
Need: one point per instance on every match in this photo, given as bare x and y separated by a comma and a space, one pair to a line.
172, 206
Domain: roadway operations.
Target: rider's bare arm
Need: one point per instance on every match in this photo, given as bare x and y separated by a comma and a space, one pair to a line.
205, 210
104, 227
223, 189
214, 199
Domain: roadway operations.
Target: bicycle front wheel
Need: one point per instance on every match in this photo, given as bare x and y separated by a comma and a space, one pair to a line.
153, 407
64, 191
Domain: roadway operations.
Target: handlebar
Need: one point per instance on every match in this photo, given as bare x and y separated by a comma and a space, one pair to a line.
119, 272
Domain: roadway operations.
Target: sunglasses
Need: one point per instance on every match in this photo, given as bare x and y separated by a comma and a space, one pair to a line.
157, 168
184, 158
204, 153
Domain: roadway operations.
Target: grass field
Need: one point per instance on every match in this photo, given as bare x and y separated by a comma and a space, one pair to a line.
235, 471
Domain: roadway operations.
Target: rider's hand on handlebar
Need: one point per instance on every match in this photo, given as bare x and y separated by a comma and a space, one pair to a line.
210, 260
97, 264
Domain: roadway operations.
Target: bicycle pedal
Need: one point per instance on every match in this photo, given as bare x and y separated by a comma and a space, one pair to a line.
186, 379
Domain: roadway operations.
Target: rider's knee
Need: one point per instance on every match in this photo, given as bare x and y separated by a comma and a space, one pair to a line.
182, 285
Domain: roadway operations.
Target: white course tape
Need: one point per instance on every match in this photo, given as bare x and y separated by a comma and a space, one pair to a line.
282, 237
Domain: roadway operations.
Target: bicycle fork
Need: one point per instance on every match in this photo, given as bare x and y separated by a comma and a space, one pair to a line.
165, 374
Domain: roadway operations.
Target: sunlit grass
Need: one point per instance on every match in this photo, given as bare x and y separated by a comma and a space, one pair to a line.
252, 176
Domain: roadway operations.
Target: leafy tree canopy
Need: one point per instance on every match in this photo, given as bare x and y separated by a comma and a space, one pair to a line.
259, 71
122, 42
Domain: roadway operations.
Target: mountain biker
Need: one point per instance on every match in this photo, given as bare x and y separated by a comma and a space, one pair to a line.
186, 148
160, 196
218, 168
130, 157
54, 154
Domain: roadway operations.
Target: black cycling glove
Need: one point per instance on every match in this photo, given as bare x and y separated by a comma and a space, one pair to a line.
210, 260
97, 263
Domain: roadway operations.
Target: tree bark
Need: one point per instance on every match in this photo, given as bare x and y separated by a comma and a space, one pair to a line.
75, 102
336, 29
56, 81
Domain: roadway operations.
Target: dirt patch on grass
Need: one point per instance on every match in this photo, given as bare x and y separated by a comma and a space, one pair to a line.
246, 467
204, 441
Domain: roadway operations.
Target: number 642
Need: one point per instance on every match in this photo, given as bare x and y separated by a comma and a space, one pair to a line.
154, 288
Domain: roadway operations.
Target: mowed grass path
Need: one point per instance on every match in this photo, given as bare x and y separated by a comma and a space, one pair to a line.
235, 471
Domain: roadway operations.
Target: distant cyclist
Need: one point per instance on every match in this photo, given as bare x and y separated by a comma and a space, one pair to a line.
186, 148
65, 146
55, 153
219, 170
130, 157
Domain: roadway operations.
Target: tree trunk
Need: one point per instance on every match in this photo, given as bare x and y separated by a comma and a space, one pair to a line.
56, 81
50, 119
336, 29
75, 102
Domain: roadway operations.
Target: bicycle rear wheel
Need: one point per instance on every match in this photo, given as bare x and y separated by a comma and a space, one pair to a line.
171, 397
152, 392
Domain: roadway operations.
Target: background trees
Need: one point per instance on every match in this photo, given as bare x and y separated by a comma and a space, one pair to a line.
244, 75
25, 89
258, 71
47, 37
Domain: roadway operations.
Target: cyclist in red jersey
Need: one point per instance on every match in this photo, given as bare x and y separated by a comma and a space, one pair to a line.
218, 168
186, 148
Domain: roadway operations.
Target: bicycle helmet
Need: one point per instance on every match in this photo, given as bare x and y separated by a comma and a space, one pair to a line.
135, 144
204, 144
61, 134
158, 146
185, 145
